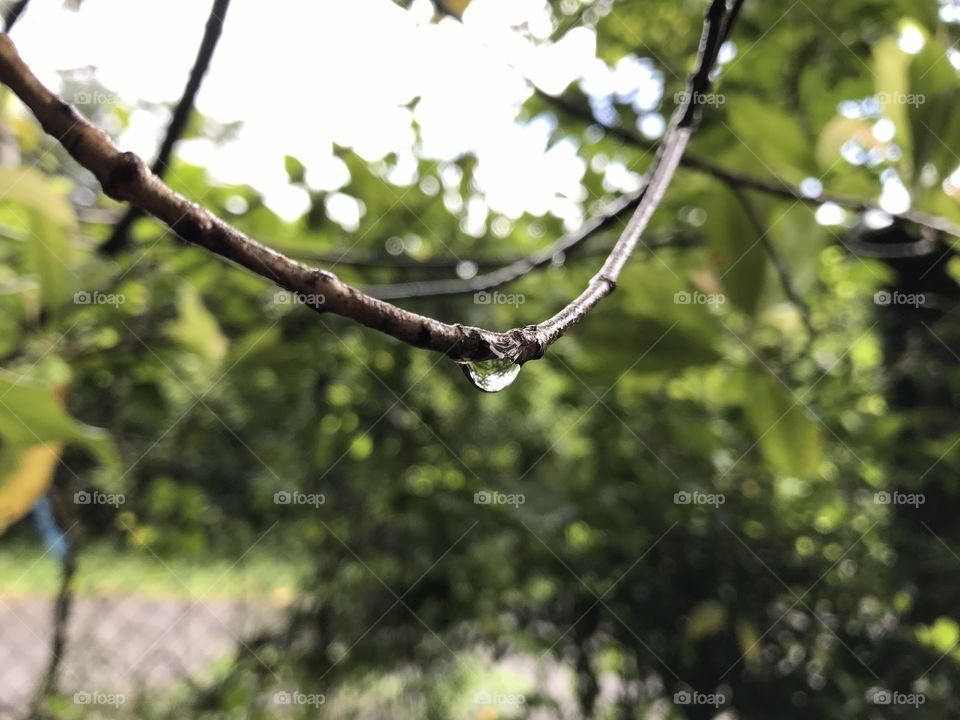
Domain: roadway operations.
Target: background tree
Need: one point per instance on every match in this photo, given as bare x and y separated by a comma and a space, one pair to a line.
735, 479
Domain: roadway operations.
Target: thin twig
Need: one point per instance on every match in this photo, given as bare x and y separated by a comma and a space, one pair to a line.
61, 620
125, 177
13, 14
509, 272
120, 237
771, 186
776, 258
517, 269
407, 263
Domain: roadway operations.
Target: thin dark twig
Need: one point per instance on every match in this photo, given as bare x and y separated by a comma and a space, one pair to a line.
430, 265
61, 618
772, 186
120, 237
512, 271
775, 256
13, 14
399, 262
921, 247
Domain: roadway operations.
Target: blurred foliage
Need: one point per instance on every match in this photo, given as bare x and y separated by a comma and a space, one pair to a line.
706, 486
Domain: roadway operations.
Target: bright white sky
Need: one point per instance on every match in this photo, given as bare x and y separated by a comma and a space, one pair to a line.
305, 74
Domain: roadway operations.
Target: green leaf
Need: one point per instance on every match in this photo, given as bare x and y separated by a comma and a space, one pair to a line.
837, 133
935, 123
653, 330
30, 413
736, 253
196, 327
32, 189
776, 141
789, 437
50, 218
891, 68
48, 256
668, 334
295, 169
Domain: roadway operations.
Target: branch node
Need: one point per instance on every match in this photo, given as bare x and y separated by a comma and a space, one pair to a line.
321, 276
521, 344
608, 281
192, 226
128, 173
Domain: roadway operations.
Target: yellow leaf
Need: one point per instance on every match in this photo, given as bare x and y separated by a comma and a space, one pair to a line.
454, 7
28, 481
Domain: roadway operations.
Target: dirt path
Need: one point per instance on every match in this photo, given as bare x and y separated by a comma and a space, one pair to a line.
118, 644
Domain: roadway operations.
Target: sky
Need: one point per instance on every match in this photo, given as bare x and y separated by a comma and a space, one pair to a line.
307, 74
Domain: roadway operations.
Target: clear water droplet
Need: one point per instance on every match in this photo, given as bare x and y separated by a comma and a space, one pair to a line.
491, 375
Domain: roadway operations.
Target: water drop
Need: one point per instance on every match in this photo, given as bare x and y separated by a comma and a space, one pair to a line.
491, 375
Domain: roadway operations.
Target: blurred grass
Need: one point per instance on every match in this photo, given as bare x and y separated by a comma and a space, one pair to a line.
27, 569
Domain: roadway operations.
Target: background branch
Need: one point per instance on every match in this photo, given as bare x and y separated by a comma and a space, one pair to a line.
776, 258
513, 270
120, 236
13, 14
772, 186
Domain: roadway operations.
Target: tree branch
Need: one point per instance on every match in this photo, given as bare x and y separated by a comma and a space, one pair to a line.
512, 271
125, 177
772, 186
61, 620
13, 14
433, 264
120, 237
508, 272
